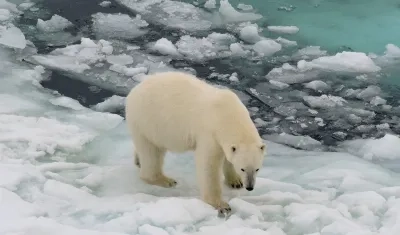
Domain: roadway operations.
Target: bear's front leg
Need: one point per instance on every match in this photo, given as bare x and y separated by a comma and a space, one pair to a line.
232, 179
209, 166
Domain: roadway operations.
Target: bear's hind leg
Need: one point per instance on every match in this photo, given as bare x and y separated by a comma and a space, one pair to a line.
151, 161
232, 179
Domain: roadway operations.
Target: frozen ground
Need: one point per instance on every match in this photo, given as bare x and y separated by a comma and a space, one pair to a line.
68, 169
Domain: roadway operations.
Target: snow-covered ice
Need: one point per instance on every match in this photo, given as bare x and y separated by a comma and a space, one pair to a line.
119, 25
54, 24
68, 169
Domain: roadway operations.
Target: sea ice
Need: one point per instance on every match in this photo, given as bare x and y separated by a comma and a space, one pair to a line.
267, 47
230, 15
284, 29
165, 47
118, 26
12, 36
324, 101
54, 24
111, 104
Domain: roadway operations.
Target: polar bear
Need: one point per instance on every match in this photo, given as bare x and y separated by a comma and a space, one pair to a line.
177, 112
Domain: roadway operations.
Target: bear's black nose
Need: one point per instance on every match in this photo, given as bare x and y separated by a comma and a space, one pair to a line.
249, 188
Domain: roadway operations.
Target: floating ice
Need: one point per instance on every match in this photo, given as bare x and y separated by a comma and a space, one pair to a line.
378, 101
284, 29
237, 49
213, 46
369, 92
285, 42
387, 147
230, 15
118, 26
165, 47
244, 7
250, 34
210, 4
67, 103
317, 85
324, 101
267, 47
310, 52
12, 37
291, 75
9, 6
54, 24
302, 142
356, 62
280, 85
105, 3
76, 58
122, 59
173, 14
111, 104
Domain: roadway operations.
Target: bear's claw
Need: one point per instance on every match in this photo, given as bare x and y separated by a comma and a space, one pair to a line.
235, 183
224, 211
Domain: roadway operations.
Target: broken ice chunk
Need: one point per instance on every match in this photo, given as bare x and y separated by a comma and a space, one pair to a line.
324, 101
267, 47
54, 24
317, 85
118, 26
12, 36
284, 29
230, 15
165, 47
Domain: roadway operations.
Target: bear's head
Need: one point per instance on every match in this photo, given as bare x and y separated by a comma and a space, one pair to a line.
247, 159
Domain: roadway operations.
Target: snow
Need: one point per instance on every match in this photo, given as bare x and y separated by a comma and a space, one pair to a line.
67, 169
54, 24
118, 26
250, 34
284, 29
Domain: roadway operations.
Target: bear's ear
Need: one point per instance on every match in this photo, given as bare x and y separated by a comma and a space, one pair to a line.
233, 148
262, 147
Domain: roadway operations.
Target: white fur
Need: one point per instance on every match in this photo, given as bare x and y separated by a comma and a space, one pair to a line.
177, 112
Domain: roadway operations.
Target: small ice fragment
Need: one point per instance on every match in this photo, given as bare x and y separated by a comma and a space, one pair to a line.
165, 47
236, 49
369, 92
267, 47
105, 3
234, 77
377, 101
210, 4
286, 42
317, 85
128, 71
324, 101
67, 103
284, 29
278, 84
230, 15
250, 34
54, 24
111, 104
244, 7
26, 5
122, 59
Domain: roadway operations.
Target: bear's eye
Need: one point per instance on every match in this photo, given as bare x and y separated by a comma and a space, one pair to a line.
233, 149
242, 169
262, 147
257, 170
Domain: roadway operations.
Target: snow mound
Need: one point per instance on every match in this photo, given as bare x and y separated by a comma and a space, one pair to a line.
12, 36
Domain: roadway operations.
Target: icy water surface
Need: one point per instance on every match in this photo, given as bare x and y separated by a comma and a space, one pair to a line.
325, 100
